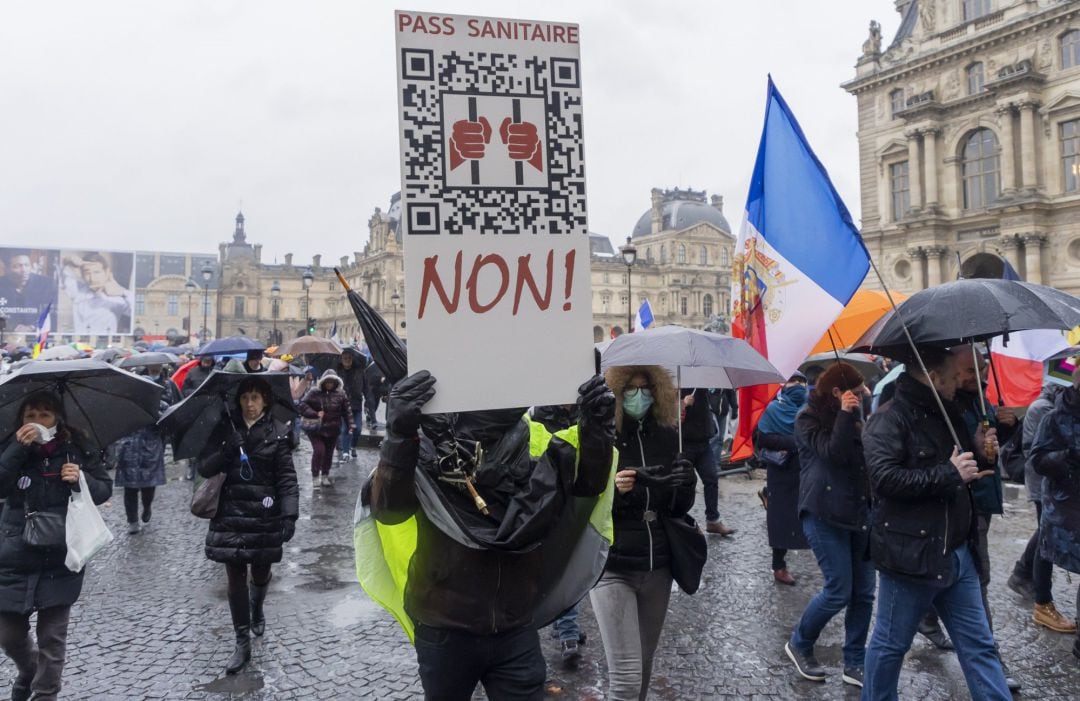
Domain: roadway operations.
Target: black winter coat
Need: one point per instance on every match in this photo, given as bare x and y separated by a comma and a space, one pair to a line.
640, 542
249, 521
833, 485
33, 579
335, 407
1055, 454
923, 509
195, 377
782, 489
698, 426
354, 386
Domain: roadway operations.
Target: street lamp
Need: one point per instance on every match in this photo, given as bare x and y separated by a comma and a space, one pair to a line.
275, 294
189, 286
207, 273
629, 256
308, 278
394, 299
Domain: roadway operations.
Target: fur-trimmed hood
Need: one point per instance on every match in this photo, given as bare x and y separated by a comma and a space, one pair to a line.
330, 376
665, 394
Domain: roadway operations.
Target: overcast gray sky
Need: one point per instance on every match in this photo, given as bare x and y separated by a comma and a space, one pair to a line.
146, 124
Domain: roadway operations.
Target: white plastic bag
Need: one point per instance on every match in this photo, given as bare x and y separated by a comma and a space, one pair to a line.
86, 530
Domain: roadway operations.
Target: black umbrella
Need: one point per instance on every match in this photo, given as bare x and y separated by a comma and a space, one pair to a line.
149, 358
230, 345
191, 422
101, 402
387, 349
966, 311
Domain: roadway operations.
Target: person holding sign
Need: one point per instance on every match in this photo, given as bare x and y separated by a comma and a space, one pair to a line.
510, 485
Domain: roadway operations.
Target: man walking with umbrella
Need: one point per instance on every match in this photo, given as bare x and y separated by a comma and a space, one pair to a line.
922, 538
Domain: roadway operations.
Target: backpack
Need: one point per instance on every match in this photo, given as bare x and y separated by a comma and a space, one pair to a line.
1011, 455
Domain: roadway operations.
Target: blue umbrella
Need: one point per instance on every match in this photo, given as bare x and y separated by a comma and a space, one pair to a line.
230, 345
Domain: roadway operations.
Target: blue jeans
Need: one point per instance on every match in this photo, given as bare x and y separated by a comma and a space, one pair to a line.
347, 441
902, 602
704, 459
566, 625
849, 583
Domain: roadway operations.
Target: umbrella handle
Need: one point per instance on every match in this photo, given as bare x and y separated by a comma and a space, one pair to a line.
341, 279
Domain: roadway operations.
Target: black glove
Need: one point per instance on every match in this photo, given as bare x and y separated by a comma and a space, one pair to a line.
652, 476
234, 441
288, 529
682, 473
405, 401
595, 401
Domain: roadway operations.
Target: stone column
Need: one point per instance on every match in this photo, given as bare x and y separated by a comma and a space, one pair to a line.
1010, 248
1033, 244
914, 170
1008, 163
918, 257
930, 147
1028, 144
933, 264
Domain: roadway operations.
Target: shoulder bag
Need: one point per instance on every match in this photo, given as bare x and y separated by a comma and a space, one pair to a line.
688, 549
204, 502
44, 530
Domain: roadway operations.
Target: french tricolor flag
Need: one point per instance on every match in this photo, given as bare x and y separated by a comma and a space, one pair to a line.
1018, 365
798, 259
644, 318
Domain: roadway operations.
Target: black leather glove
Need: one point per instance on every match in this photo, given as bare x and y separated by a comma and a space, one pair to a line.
234, 441
288, 529
652, 476
595, 401
405, 401
682, 473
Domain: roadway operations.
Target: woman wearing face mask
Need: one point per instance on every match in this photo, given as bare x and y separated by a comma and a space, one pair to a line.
834, 500
774, 445
257, 510
631, 598
39, 467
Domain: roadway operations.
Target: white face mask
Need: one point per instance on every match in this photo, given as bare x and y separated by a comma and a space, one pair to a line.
44, 434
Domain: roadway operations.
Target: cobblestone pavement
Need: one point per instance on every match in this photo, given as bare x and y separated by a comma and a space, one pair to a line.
153, 622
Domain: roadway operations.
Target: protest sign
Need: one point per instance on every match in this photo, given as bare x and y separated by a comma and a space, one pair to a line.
498, 300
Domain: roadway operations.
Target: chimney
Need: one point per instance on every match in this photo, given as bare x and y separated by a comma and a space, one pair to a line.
221, 252
288, 259
316, 261
258, 253
717, 201
657, 210
357, 256
344, 261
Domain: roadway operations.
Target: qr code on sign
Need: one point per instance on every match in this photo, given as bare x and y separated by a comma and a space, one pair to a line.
493, 143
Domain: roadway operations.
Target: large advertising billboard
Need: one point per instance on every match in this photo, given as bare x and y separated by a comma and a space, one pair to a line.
28, 286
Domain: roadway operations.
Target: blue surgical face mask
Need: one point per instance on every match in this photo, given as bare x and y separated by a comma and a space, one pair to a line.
637, 401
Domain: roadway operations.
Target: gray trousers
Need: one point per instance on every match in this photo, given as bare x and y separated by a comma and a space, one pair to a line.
630, 608
39, 670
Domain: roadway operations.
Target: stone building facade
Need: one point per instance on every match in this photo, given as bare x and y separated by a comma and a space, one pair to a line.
969, 142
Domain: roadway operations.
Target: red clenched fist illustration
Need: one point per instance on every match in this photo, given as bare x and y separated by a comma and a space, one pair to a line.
467, 140
523, 142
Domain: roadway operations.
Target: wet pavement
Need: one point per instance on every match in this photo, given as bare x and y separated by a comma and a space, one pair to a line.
153, 622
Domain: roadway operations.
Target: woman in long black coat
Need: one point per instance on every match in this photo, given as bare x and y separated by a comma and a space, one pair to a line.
257, 510
774, 444
38, 473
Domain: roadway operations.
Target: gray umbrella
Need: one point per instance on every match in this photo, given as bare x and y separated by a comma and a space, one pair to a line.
102, 403
149, 358
699, 359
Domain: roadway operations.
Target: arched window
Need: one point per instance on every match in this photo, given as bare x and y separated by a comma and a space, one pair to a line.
703, 257
896, 101
981, 169
1070, 49
597, 334
706, 306
975, 79
725, 260
663, 253
681, 258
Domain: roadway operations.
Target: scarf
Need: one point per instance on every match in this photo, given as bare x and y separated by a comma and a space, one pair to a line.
779, 416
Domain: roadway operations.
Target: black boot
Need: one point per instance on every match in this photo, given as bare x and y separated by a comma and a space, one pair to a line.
258, 595
242, 654
240, 608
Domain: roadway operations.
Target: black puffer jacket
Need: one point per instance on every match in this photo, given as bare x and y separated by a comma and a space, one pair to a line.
249, 521
33, 579
923, 510
833, 485
640, 543
329, 398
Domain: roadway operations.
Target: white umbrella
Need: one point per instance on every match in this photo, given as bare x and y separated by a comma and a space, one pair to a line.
699, 359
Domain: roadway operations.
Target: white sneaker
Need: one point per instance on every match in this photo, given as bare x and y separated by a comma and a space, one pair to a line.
326, 481
316, 484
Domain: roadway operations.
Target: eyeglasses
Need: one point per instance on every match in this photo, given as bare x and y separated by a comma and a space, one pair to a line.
630, 392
